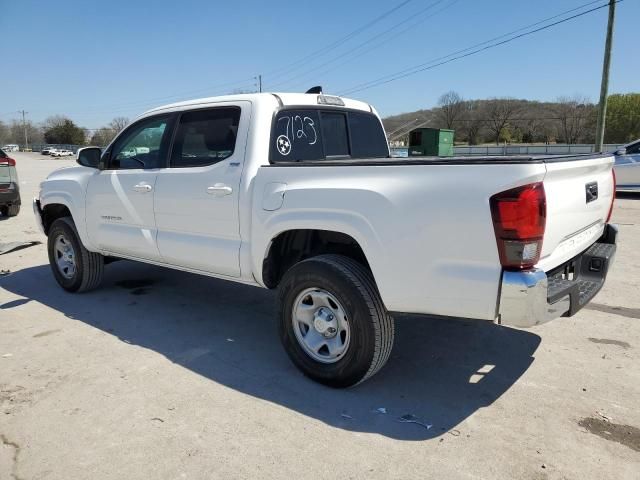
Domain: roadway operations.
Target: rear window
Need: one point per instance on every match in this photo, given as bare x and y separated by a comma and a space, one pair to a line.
205, 137
316, 134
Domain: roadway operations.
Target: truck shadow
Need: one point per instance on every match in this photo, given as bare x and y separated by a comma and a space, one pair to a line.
441, 371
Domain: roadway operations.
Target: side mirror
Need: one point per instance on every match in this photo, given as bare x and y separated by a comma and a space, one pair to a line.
620, 151
89, 157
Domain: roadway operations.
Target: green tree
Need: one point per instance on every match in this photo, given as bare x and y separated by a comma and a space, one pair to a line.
63, 131
623, 118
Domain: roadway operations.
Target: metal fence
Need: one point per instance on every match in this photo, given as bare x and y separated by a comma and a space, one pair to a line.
557, 149
502, 150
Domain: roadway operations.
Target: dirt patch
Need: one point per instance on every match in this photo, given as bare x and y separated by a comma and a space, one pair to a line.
45, 333
624, 434
16, 451
607, 341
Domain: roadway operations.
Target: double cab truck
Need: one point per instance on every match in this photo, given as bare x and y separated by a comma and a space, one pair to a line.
297, 192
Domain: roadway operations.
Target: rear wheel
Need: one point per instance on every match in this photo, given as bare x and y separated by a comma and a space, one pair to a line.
332, 321
75, 268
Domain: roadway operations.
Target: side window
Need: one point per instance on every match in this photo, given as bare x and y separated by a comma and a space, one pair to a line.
205, 137
334, 133
367, 136
142, 145
622, 160
296, 136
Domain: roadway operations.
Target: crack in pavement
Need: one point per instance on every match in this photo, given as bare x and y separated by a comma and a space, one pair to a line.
16, 453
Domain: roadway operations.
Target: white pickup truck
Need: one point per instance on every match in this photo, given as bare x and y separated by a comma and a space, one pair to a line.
298, 192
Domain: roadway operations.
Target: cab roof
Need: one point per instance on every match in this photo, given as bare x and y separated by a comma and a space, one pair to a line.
286, 99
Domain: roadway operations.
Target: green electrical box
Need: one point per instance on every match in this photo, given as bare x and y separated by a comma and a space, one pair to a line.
431, 142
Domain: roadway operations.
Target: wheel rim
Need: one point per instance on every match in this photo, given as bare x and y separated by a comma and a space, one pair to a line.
65, 256
321, 325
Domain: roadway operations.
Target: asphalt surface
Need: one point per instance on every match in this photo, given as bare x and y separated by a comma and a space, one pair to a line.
167, 375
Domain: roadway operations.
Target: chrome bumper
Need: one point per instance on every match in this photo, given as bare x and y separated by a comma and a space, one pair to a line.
533, 297
37, 212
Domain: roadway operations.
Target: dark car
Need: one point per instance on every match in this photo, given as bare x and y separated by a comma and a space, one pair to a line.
9, 186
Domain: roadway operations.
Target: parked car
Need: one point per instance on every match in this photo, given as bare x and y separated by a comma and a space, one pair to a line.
61, 153
9, 186
298, 192
47, 150
627, 167
11, 147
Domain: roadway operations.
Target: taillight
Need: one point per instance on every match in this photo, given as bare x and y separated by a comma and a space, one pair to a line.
613, 195
8, 161
519, 218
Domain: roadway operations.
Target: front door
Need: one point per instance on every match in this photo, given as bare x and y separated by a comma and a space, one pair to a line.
120, 217
196, 198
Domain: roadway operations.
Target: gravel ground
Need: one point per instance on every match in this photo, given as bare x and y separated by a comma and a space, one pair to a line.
167, 375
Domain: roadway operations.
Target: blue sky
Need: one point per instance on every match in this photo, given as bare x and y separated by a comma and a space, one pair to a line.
93, 61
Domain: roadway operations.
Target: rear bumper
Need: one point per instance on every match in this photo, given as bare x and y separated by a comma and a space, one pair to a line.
533, 297
9, 197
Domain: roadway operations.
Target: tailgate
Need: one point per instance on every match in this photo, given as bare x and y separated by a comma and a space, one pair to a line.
579, 194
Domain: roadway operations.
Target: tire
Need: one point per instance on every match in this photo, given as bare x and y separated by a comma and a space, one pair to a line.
13, 210
348, 291
84, 269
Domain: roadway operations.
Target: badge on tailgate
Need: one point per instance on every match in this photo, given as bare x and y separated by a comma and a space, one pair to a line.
592, 191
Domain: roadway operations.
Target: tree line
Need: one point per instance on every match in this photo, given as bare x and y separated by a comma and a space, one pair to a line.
499, 120
59, 130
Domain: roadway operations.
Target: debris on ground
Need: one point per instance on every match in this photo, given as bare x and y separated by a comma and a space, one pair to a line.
381, 410
5, 272
454, 432
157, 419
230, 340
346, 416
602, 415
409, 418
12, 246
7, 355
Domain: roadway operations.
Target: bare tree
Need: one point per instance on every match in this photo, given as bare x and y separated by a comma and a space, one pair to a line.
472, 121
572, 117
500, 111
451, 108
118, 124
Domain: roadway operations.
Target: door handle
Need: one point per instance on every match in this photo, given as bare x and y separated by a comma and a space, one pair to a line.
219, 190
143, 187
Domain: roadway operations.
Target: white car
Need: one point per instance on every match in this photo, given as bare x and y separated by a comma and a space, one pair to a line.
298, 192
61, 153
11, 148
627, 167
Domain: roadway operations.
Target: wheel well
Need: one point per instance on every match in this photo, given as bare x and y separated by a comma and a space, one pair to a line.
293, 246
51, 213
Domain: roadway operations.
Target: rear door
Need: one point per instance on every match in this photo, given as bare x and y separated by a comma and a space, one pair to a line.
196, 197
119, 203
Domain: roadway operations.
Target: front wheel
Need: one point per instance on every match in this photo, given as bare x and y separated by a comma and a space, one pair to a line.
332, 321
75, 268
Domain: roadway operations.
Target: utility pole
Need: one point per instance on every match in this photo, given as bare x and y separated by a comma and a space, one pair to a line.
604, 86
259, 78
24, 126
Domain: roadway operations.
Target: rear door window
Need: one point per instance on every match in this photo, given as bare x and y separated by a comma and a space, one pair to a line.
205, 137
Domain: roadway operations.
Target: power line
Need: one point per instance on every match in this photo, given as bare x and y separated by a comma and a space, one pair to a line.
328, 48
367, 42
430, 64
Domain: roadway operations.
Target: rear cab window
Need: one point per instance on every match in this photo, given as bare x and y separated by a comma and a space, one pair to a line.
316, 134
